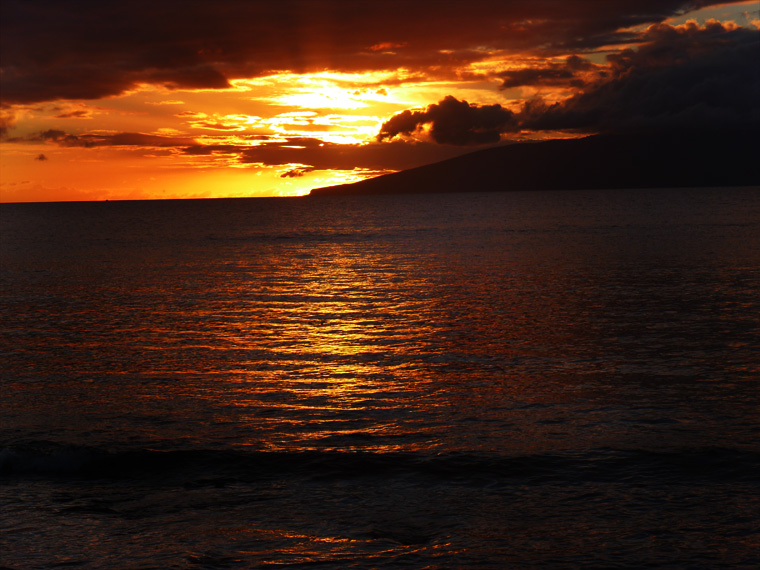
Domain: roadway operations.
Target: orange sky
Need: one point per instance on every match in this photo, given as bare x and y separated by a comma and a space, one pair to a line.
273, 100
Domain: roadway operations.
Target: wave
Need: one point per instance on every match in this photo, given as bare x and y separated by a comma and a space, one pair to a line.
51, 460
297, 236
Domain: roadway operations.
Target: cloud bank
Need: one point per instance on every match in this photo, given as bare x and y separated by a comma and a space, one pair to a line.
480, 73
87, 49
684, 77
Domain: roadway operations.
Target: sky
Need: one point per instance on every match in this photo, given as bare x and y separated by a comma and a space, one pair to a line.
198, 99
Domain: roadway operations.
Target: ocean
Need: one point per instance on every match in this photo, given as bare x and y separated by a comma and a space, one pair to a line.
456, 381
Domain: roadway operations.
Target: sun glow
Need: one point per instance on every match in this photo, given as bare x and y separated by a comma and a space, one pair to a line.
326, 90
322, 97
272, 130
127, 125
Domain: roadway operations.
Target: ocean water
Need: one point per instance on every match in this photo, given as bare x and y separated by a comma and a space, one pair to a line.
519, 380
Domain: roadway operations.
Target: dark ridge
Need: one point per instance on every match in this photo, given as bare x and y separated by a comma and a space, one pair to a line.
652, 160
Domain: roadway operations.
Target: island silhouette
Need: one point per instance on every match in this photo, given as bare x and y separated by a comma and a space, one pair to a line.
683, 158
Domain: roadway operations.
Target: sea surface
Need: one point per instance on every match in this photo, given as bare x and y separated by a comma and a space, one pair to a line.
462, 381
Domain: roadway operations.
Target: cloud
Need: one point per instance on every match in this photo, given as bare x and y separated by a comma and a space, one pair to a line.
319, 155
569, 73
453, 122
296, 172
78, 114
7, 121
116, 139
683, 76
41, 157
210, 149
81, 49
312, 154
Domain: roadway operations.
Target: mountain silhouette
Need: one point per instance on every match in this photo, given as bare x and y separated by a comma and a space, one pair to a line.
644, 160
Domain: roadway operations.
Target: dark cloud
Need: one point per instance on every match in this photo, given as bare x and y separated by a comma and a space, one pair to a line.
78, 114
117, 139
331, 156
215, 126
453, 122
88, 49
41, 157
683, 76
200, 76
565, 74
210, 149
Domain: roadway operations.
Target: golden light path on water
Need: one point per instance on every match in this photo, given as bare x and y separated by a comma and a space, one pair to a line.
334, 329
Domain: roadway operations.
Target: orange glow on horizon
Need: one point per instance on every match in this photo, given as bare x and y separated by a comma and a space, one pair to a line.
334, 108
282, 133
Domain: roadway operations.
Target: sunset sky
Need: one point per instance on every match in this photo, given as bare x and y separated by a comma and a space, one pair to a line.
185, 99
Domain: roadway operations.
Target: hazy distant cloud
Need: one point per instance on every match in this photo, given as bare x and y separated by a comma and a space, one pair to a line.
78, 114
7, 121
453, 122
41, 157
209, 149
82, 49
116, 139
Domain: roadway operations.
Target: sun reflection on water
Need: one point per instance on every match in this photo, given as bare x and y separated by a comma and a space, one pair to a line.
349, 331
329, 349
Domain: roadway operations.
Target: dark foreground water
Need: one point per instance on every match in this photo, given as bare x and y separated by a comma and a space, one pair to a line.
523, 380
